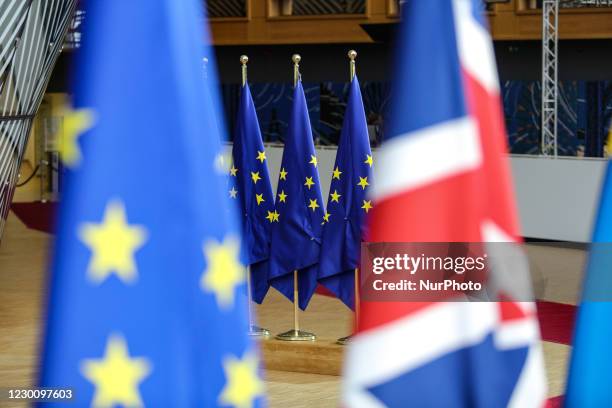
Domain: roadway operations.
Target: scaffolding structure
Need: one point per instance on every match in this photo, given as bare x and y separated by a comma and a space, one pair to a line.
550, 40
550, 61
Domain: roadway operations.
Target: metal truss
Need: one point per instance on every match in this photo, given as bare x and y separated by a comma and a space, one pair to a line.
31, 37
586, 3
550, 39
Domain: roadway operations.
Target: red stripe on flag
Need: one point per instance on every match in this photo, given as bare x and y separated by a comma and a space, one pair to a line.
496, 189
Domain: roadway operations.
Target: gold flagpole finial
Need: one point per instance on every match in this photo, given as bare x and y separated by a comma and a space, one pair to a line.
296, 58
243, 60
352, 54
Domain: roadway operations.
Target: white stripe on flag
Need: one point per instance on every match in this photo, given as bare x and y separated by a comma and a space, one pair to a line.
424, 156
475, 47
380, 354
531, 388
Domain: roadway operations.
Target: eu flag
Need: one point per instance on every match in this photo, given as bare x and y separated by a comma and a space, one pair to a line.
298, 214
590, 375
250, 186
347, 205
144, 306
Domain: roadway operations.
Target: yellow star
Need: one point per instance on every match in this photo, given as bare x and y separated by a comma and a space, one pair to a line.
223, 270
283, 174
116, 376
363, 182
337, 173
233, 192
369, 160
261, 156
233, 171
243, 385
76, 122
259, 198
113, 243
313, 204
367, 205
313, 160
255, 177
272, 216
309, 183
335, 196
282, 196
326, 216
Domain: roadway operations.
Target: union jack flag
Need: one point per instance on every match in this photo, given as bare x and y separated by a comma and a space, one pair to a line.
441, 176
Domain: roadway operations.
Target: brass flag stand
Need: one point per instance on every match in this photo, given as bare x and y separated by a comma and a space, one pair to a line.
296, 334
352, 54
254, 330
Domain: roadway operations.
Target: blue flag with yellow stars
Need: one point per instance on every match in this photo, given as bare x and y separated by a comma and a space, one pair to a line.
347, 205
250, 187
145, 303
298, 214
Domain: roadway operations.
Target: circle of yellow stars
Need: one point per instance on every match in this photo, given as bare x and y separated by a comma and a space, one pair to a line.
335, 196
255, 177
113, 242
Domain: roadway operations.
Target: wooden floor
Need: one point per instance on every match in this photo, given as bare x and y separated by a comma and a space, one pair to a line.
23, 257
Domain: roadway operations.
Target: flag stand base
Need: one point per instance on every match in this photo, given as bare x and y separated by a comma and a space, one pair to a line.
296, 335
343, 341
256, 331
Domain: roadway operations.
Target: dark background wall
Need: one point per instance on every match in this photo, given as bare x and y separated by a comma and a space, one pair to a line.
585, 89
578, 60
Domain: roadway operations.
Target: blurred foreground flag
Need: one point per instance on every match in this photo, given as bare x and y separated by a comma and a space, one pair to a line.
590, 374
250, 186
441, 176
297, 218
145, 305
348, 204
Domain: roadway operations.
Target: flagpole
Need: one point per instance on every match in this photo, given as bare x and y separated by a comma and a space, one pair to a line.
243, 60
352, 54
254, 330
296, 301
296, 58
357, 298
296, 334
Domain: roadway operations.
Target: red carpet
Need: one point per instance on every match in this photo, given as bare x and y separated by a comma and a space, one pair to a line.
556, 321
36, 215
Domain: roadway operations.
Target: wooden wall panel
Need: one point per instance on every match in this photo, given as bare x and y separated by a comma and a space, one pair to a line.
509, 21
